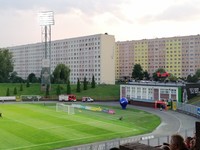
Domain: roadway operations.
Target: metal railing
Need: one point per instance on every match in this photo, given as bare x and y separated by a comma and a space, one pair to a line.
189, 109
166, 139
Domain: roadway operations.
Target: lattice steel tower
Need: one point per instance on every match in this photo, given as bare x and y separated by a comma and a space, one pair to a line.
46, 19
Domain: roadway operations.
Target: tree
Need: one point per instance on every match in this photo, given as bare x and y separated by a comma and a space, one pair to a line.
146, 75
27, 83
32, 78
6, 66
198, 73
172, 78
137, 72
14, 78
195, 78
58, 90
21, 87
8, 92
93, 84
47, 90
85, 84
61, 73
189, 78
192, 79
15, 91
78, 89
68, 87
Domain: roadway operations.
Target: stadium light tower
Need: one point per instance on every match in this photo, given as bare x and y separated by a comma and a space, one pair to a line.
46, 19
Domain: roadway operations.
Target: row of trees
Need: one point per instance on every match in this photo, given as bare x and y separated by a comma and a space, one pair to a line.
139, 74
78, 87
15, 90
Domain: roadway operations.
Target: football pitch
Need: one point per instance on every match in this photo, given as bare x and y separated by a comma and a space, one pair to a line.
38, 126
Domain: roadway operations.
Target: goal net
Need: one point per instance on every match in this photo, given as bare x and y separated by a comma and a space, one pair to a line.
60, 107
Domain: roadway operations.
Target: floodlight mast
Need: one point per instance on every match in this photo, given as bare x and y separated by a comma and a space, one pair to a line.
46, 19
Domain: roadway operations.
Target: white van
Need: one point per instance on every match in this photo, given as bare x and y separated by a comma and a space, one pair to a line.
87, 99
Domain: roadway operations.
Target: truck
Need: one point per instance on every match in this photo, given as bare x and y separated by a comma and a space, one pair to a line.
65, 98
87, 99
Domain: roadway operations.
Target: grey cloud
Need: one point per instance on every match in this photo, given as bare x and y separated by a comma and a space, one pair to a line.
181, 12
88, 8
62, 6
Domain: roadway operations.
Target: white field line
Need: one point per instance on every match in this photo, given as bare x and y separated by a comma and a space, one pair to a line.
112, 117
89, 112
18, 121
63, 116
22, 122
85, 122
54, 127
48, 143
88, 122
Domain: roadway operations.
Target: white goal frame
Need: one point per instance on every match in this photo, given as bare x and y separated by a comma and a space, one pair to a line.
61, 107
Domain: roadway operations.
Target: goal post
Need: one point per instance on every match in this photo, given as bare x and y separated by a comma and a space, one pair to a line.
71, 109
60, 107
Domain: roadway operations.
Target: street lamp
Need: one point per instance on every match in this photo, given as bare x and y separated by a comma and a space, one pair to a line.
46, 19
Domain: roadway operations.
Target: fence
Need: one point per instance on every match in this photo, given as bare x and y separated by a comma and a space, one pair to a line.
7, 98
189, 109
166, 139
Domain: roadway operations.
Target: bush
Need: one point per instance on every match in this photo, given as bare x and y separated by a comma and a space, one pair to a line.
8, 92
15, 91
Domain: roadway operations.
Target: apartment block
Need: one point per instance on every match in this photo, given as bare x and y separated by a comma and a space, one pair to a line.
177, 55
85, 56
124, 62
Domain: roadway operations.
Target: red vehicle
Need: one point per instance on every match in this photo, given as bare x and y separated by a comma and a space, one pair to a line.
65, 98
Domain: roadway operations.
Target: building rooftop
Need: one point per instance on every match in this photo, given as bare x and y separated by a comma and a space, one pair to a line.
156, 83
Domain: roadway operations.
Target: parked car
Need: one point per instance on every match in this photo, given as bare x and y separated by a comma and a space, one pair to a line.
87, 99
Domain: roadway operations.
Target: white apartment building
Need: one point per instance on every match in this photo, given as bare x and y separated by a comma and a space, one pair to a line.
85, 56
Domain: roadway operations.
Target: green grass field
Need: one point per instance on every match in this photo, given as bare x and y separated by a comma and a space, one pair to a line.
35, 126
101, 92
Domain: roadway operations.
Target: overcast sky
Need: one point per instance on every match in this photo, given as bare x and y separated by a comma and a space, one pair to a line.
125, 19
